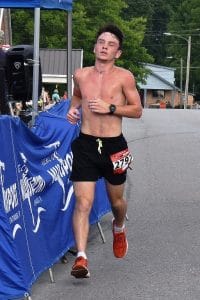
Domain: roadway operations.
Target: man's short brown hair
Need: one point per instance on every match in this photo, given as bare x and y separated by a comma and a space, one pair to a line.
114, 30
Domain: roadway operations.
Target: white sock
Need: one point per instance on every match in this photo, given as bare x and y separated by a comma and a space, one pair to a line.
82, 253
119, 229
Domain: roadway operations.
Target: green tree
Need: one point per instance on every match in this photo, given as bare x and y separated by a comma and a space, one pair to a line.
52, 28
87, 19
138, 8
22, 26
185, 21
157, 14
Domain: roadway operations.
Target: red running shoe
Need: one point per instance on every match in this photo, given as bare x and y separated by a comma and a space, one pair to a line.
80, 268
120, 243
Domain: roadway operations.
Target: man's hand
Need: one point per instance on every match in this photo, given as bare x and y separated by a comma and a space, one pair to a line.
73, 115
98, 106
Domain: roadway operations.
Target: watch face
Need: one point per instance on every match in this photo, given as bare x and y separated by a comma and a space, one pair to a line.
112, 108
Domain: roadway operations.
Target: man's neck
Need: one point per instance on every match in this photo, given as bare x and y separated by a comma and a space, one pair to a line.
103, 67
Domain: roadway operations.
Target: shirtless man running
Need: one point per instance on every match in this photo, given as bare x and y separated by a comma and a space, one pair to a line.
106, 93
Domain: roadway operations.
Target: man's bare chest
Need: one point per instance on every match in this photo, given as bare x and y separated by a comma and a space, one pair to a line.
100, 86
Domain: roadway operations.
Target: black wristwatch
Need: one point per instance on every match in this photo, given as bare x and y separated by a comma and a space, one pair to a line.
112, 109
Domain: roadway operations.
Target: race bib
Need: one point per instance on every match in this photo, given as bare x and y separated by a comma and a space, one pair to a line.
121, 161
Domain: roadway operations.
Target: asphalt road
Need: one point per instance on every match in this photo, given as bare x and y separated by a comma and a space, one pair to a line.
163, 262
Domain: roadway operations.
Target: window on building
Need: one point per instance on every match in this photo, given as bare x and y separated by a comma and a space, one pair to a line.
158, 93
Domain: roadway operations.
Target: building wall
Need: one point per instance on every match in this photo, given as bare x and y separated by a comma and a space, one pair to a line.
173, 98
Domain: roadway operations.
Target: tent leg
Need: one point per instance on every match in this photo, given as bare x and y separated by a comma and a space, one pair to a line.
64, 259
11, 108
51, 275
101, 232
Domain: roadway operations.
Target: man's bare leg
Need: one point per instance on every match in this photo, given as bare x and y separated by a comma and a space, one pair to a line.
119, 208
118, 204
84, 193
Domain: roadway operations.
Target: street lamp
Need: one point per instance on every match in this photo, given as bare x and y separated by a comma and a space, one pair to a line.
188, 63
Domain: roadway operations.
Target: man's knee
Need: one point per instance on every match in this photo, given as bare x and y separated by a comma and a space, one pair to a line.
118, 202
83, 204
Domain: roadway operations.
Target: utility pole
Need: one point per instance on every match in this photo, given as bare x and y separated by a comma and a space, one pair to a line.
69, 54
187, 72
188, 63
181, 83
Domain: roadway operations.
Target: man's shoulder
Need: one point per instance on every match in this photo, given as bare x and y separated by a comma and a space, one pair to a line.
82, 72
124, 74
123, 70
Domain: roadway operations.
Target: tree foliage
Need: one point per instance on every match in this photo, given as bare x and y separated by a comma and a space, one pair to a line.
185, 22
142, 21
52, 28
87, 19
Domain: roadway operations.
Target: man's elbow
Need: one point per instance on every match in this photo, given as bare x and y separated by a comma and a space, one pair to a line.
138, 113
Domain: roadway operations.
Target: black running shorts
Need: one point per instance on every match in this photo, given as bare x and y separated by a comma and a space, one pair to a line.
96, 157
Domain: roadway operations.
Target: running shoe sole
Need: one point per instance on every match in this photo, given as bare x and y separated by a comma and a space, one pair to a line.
80, 272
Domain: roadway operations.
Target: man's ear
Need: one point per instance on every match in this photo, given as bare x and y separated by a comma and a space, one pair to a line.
118, 54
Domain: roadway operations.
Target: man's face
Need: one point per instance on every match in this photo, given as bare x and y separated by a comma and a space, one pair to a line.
107, 47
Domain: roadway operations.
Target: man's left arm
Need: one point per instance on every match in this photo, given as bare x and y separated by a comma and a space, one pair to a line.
133, 106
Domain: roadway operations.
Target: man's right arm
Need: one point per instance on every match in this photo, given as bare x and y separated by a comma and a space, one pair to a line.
73, 114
